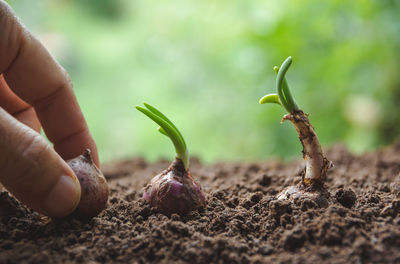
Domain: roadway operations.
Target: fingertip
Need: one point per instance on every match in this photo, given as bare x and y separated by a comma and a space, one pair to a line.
63, 198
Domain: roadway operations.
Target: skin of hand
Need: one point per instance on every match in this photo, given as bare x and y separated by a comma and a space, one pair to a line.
36, 92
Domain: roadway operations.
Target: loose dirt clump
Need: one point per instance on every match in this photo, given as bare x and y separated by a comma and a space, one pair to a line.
242, 223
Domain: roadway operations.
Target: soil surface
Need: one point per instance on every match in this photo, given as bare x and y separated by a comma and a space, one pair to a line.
242, 223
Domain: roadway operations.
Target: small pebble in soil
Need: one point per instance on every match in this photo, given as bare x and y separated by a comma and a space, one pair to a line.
391, 209
307, 204
264, 180
293, 239
346, 197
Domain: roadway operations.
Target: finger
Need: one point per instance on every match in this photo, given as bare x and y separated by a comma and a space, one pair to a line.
9, 100
29, 118
14, 105
38, 79
33, 172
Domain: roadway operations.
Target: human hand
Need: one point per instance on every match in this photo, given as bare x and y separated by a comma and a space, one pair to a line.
36, 91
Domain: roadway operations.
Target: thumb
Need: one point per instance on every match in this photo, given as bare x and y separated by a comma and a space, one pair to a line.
33, 172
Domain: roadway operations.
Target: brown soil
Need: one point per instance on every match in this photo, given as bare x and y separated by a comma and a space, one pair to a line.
242, 223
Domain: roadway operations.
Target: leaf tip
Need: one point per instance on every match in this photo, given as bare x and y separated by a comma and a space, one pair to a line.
289, 60
261, 101
270, 98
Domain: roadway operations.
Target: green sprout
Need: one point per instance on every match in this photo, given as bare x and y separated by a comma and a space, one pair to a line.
284, 96
168, 129
316, 163
174, 190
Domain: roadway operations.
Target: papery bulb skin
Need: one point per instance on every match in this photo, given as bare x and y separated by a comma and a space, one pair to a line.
174, 191
317, 165
312, 184
94, 188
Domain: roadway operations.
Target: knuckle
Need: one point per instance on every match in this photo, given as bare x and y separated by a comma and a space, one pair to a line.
63, 79
63, 83
66, 80
35, 150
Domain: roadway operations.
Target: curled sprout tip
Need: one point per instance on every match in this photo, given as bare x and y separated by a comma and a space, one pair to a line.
284, 95
283, 89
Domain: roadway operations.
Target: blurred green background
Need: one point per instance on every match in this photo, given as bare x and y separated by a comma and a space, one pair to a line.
206, 63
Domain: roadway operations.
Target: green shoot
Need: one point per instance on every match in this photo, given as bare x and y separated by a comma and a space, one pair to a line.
270, 98
316, 163
284, 95
167, 128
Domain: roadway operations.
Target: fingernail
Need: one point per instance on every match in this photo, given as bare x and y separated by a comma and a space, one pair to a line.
64, 197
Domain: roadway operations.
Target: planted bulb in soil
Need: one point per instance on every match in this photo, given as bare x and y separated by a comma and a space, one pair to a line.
174, 191
94, 188
315, 192
317, 165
